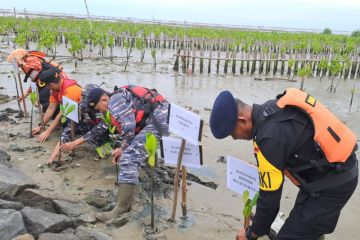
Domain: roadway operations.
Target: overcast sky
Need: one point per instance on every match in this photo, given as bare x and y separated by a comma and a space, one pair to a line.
311, 14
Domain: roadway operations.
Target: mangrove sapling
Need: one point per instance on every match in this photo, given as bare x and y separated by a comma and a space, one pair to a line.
111, 43
128, 47
322, 67
335, 68
248, 205
151, 147
140, 45
291, 63
65, 111
33, 98
303, 73
115, 141
153, 55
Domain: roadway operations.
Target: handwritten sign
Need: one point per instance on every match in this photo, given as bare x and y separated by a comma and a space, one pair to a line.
242, 176
74, 115
170, 148
185, 124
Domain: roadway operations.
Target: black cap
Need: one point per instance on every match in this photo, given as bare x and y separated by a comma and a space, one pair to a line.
48, 76
94, 97
224, 115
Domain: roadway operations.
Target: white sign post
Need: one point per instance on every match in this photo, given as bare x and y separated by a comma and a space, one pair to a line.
188, 126
170, 148
74, 115
242, 176
185, 124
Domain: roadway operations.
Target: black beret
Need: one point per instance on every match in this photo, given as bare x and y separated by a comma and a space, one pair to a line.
94, 97
48, 76
224, 115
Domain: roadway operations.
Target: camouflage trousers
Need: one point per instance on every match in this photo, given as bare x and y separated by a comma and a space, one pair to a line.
135, 154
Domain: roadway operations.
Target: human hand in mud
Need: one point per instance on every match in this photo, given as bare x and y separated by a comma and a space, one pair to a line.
68, 147
54, 154
241, 235
36, 130
116, 154
43, 136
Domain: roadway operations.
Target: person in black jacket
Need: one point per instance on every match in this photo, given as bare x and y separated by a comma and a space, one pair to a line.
284, 140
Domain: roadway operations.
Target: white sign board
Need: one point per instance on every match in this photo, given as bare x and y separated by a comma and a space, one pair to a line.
33, 86
242, 176
74, 115
170, 148
185, 124
16, 67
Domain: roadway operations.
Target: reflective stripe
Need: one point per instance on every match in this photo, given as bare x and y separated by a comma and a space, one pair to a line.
270, 178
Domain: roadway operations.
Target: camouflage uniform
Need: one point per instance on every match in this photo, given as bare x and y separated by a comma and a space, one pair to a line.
134, 154
94, 132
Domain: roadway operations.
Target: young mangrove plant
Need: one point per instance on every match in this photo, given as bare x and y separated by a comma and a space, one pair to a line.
33, 99
248, 205
304, 72
65, 111
151, 147
128, 49
334, 69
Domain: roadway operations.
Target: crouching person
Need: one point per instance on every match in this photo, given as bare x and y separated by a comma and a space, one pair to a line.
90, 127
134, 111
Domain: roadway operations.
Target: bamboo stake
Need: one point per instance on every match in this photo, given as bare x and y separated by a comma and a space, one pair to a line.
183, 188
42, 123
16, 68
17, 95
176, 180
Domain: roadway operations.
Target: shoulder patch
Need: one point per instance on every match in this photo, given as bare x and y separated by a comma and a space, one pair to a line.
270, 178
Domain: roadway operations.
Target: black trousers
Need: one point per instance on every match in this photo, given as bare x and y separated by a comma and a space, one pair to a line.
313, 217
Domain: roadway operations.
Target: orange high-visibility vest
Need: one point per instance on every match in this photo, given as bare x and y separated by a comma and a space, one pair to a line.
334, 138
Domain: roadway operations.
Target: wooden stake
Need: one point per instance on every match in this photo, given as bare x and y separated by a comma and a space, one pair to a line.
183, 193
72, 130
40, 111
176, 180
20, 84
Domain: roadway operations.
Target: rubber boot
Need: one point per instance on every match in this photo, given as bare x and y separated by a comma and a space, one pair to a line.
125, 197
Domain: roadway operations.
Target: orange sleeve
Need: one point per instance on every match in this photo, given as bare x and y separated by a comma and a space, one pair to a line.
73, 92
52, 99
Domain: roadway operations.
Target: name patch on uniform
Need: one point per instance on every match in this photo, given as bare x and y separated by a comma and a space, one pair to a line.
310, 100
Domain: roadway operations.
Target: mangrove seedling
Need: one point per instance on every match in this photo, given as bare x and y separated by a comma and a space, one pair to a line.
106, 118
323, 66
153, 55
248, 205
335, 68
151, 146
65, 111
33, 98
304, 72
128, 47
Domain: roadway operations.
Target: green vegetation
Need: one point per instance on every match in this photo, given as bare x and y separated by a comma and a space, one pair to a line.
50, 32
248, 205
